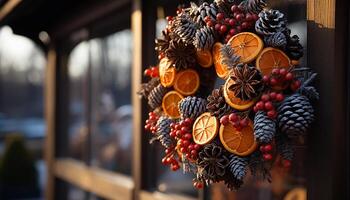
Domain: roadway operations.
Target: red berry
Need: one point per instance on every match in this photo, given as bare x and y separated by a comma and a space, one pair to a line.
232, 31
188, 136
188, 121
190, 147
286, 163
279, 97
224, 120
255, 17
234, 8
268, 148
289, 76
178, 133
233, 117
164, 161
239, 17
177, 127
220, 16
186, 143
248, 17
223, 28
217, 27
273, 81
260, 105
206, 18
275, 71
194, 152
227, 20
188, 155
266, 79
169, 18
268, 105
271, 114
267, 157
148, 126
167, 151
244, 122
172, 134
197, 147
148, 72
239, 29
245, 25
183, 149
273, 95
262, 148
175, 167
255, 109
161, 56
232, 22
210, 23
297, 84
265, 98
169, 160
184, 129
199, 185
283, 72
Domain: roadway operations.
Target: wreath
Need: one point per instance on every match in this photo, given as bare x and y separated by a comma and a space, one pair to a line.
252, 119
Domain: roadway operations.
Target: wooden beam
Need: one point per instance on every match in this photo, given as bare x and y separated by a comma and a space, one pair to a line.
50, 102
8, 7
104, 183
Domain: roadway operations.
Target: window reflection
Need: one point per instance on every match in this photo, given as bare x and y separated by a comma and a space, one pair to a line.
100, 102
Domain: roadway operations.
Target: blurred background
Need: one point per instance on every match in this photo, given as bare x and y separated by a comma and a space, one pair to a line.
69, 125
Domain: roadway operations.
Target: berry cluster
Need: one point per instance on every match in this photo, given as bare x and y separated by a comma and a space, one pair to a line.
286, 163
151, 122
282, 78
237, 121
181, 131
266, 151
152, 72
266, 103
169, 159
237, 22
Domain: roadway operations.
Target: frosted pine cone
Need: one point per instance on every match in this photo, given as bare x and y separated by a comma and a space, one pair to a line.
163, 132
207, 9
237, 166
192, 107
264, 127
270, 22
185, 28
146, 88
155, 97
253, 6
295, 115
293, 48
277, 40
284, 147
204, 38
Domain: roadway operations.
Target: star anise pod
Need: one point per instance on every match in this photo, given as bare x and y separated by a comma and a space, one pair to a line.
162, 43
247, 82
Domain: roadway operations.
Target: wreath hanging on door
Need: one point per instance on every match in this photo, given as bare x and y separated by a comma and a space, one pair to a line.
251, 120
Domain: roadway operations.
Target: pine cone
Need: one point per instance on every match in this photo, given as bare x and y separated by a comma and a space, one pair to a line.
163, 132
247, 82
270, 22
228, 57
284, 147
295, 115
217, 105
185, 28
204, 38
277, 40
264, 127
212, 162
155, 97
293, 48
231, 182
306, 76
207, 9
192, 107
146, 88
181, 55
237, 166
253, 6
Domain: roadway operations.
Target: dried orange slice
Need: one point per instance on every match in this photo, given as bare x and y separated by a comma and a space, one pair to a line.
240, 142
166, 73
204, 58
246, 45
221, 69
187, 82
170, 104
271, 58
234, 101
205, 128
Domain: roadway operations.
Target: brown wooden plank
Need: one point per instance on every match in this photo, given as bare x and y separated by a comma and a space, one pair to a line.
8, 7
50, 99
104, 183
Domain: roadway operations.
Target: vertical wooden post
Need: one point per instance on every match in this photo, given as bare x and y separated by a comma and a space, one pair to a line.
328, 144
50, 102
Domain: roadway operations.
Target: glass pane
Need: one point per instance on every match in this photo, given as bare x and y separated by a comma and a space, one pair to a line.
285, 184
78, 92
111, 102
22, 125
